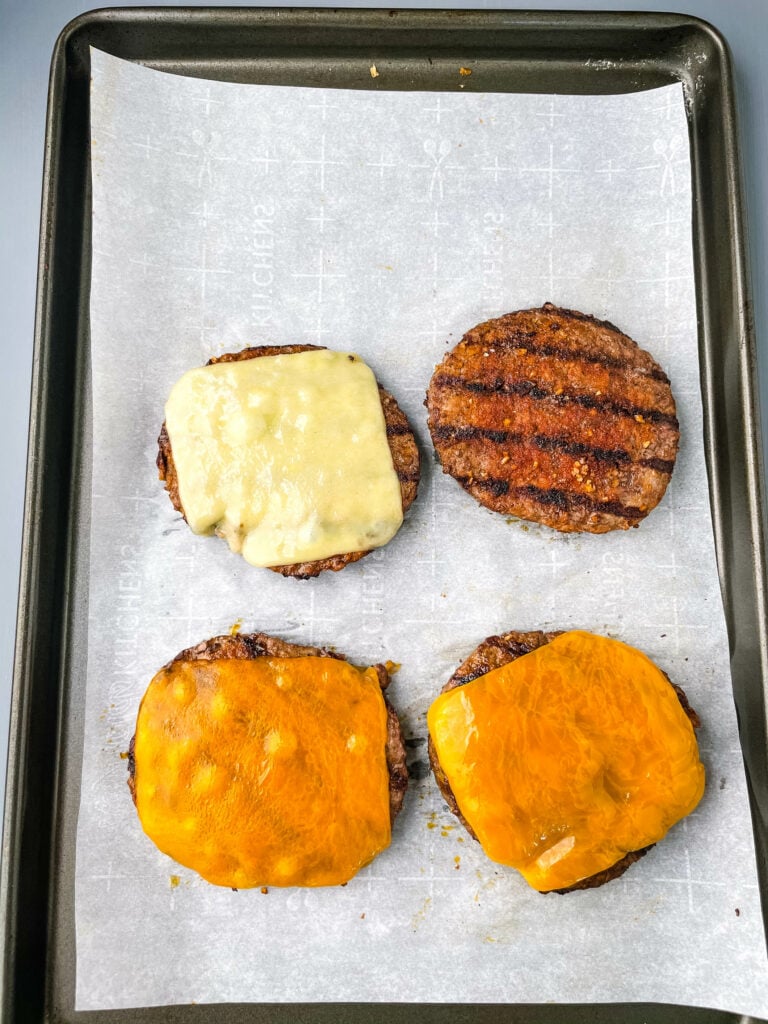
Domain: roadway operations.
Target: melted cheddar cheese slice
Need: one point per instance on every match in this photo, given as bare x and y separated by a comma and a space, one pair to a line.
269, 771
568, 758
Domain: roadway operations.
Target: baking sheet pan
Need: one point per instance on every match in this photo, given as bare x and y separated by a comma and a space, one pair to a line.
535, 52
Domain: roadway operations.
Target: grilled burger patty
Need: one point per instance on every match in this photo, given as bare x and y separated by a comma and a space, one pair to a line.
492, 653
260, 645
400, 438
555, 417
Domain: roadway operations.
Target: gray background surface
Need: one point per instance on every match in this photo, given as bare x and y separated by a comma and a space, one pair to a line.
28, 31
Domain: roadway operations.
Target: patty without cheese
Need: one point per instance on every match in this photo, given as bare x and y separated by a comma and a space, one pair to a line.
555, 417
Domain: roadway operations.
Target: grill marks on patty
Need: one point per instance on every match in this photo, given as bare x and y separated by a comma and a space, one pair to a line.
547, 443
559, 396
553, 422
583, 369
529, 341
556, 417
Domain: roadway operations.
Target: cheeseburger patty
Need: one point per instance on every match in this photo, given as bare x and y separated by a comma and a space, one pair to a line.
400, 438
260, 645
555, 417
492, 653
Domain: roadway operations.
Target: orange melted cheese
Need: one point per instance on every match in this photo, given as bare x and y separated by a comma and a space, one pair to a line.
265, 772
568, 758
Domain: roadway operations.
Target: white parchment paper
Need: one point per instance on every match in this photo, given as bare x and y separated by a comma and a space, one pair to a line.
389, 223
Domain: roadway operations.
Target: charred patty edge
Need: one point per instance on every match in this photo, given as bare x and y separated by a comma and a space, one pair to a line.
247, 646
492, 653
400, 438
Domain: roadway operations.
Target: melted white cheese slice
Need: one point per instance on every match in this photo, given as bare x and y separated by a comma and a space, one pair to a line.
285, 456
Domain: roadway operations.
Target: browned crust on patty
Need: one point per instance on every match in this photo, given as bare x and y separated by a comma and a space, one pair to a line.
555, 417
260, 645
400, 438
492, 653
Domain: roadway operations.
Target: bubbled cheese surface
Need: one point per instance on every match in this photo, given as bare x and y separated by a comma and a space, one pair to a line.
569, 757
264, 772
285, 456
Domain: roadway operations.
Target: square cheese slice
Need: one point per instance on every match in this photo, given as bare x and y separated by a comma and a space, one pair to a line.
285, 456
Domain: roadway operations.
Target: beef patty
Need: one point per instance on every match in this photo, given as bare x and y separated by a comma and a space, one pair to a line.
260, 645
491, 654
400, 438
555, 417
